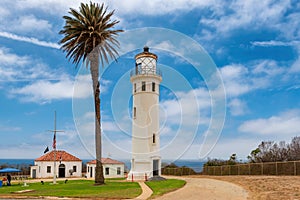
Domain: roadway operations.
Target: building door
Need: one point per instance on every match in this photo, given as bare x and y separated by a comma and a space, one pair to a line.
62, 171
34, 173
91, 172
155, 167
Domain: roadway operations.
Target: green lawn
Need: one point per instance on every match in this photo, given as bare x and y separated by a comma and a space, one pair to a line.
161, 187
77, 188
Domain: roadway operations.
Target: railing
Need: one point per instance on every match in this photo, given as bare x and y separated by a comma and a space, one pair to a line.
139, 71
267, 168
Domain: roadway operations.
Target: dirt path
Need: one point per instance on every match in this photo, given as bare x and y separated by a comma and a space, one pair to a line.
146, 191
207, 189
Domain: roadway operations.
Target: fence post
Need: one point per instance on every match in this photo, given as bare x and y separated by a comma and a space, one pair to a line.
182, 170
249, 169
276, 168
238, 170
262, 168
295, 168
221, 171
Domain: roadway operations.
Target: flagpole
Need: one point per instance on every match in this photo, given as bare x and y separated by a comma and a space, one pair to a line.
54, 146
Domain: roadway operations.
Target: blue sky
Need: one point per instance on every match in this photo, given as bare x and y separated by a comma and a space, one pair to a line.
255, 46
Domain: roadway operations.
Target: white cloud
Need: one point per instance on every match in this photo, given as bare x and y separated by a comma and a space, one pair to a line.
295, 68
259, 74
268, 68
3, 13
237, 107
14, 67
156, 7
40, 83
191, 107
57, 6
44, 91
110, 126
284, 124
137, 7
241, 14
235, 80
30, 24
7, 58
274, 43
290, 27
29, 40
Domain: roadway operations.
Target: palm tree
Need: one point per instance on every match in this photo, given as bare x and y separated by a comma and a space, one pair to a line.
88, 37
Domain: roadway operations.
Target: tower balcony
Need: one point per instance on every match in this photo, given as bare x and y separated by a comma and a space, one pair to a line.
140, 71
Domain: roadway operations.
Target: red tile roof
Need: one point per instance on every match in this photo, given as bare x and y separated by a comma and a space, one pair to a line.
106, 161
60, 156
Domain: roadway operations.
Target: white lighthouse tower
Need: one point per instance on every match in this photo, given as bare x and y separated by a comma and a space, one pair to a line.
145, 79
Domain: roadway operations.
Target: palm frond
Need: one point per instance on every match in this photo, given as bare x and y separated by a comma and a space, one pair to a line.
88, 28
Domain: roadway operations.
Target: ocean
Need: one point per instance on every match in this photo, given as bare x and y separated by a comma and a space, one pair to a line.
196, 165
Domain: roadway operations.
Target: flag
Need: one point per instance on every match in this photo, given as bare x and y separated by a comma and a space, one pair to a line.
54, 141
46, 150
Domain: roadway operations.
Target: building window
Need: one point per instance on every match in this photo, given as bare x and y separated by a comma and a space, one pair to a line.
143, 86
134, 112
106, 170
153, 87
118, 170
74, 168
134, 88
88, 169
39, 169
48, 169
153, 138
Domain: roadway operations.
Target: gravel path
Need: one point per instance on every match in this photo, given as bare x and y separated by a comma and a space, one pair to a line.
207, 189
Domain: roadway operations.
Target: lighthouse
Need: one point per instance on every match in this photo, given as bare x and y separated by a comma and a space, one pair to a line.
145, 79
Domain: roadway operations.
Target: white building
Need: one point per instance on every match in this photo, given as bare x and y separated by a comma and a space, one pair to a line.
111, 168
145, 79
67, 165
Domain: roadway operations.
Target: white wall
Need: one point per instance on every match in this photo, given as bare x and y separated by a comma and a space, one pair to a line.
112, 170
41, 168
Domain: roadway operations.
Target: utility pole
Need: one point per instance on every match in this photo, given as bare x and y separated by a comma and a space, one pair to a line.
54, 147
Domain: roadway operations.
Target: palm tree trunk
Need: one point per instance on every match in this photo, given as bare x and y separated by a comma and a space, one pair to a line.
94, 62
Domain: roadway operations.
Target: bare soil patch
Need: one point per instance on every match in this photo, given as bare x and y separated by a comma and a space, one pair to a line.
265, 187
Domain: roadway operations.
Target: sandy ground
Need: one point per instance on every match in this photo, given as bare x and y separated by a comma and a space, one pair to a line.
266, 187
207, 189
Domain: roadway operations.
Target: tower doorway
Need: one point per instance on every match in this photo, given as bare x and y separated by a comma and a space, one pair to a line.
62, 171
155, 167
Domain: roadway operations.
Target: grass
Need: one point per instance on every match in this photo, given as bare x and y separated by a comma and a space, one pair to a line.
76, 188
161, 187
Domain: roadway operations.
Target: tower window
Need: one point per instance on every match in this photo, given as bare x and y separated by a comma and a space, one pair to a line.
153, 87
135, 87
153, 138
143, 86
134, 112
